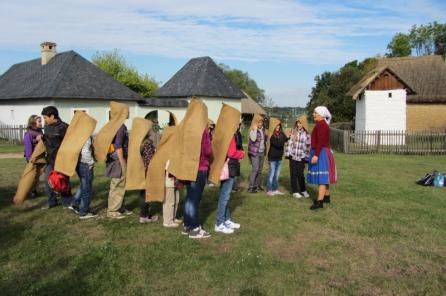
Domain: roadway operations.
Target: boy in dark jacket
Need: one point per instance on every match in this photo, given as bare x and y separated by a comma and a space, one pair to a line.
55, 130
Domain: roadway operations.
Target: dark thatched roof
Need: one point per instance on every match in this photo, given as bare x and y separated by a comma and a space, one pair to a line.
67, 75
359, 87
154, 102
199, 77
426, 75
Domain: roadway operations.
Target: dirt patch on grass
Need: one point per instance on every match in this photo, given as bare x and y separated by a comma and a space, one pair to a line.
6, 155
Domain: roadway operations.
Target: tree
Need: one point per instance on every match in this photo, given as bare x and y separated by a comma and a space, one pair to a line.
422, 40
245, 83
331, 88
400, 46
113, 63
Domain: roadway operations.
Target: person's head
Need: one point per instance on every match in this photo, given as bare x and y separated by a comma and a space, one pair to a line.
50, 114
260, 123
278, 128
321, 113
34, 122
299, 125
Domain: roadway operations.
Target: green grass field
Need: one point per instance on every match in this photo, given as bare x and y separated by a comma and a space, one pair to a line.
382, 235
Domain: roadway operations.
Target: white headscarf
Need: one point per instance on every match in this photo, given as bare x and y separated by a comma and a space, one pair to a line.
323, 111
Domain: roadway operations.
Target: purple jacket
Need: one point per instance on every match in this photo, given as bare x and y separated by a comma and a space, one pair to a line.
206, 151
253, 147
30, 141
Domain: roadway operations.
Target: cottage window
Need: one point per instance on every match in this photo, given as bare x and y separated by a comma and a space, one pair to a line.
390, 95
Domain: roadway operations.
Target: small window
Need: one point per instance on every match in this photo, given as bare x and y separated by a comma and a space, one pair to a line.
389, 95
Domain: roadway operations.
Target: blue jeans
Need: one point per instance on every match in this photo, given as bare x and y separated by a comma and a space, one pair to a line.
52, 200
82, 198
223, 213
273, 175
193, 198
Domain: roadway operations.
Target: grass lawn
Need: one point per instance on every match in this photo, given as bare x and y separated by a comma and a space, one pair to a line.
382, 235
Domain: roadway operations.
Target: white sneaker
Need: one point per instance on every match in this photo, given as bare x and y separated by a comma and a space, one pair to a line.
223, 228
278, 192
297, 195
232, 224
270, 193
305, 194
198, 233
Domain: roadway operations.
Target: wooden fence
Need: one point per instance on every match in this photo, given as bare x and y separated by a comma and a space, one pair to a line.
398, 142
12, 134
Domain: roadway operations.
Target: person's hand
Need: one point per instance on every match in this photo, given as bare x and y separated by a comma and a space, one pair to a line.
314, 159
289, 133
38, 137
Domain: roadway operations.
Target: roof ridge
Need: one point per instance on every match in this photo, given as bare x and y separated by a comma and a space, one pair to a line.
58, 77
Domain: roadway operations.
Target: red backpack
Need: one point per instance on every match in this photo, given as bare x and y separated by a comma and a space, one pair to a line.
58, 182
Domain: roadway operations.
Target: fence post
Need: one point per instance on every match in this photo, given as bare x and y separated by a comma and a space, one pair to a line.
346, 141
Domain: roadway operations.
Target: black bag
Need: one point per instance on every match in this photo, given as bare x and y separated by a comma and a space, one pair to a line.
428, 179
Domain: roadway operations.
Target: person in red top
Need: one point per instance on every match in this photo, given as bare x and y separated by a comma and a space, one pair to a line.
322, 168
235, 154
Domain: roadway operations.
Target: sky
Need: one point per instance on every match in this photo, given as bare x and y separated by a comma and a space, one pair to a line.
282, 44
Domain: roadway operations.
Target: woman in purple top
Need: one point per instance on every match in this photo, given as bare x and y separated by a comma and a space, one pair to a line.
32, 135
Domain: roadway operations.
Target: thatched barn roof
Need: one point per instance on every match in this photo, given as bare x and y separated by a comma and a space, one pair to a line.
249, 106
199, 77
426, 75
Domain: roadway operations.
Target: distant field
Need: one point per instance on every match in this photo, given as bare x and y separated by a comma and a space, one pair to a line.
382, 235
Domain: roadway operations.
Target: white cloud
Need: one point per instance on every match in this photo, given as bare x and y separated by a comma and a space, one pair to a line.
233, 30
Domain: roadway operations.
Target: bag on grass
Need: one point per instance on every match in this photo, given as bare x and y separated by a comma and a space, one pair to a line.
58, 182
428, 179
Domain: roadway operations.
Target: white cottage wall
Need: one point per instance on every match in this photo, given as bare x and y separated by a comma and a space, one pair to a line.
214, 106
385, 110
18, 111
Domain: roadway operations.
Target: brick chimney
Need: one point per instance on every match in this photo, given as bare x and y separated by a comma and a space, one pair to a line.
47, 51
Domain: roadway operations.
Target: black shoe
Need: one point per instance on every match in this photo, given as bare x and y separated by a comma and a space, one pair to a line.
260, 188
252, 190
327, 199
74, 208
317, 204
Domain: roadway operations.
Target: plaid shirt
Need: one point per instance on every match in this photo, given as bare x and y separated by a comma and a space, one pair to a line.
298, 145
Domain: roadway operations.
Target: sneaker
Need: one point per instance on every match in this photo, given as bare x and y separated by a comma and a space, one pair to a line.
178, 221
74, 208
115, 215
271, 193
198, 233
232, 224
171, 225
88, 216
260, 188
317, 204
149, 219
126, 212
223, 228
305, 194
185, 231
297, 195
277, 192
252, 190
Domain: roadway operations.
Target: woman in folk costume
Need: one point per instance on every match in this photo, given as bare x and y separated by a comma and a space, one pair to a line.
322, 169
32, 135
256, 151
298, 153
227, 154
277, 140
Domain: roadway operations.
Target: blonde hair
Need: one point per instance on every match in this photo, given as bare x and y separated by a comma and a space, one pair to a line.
32, 121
